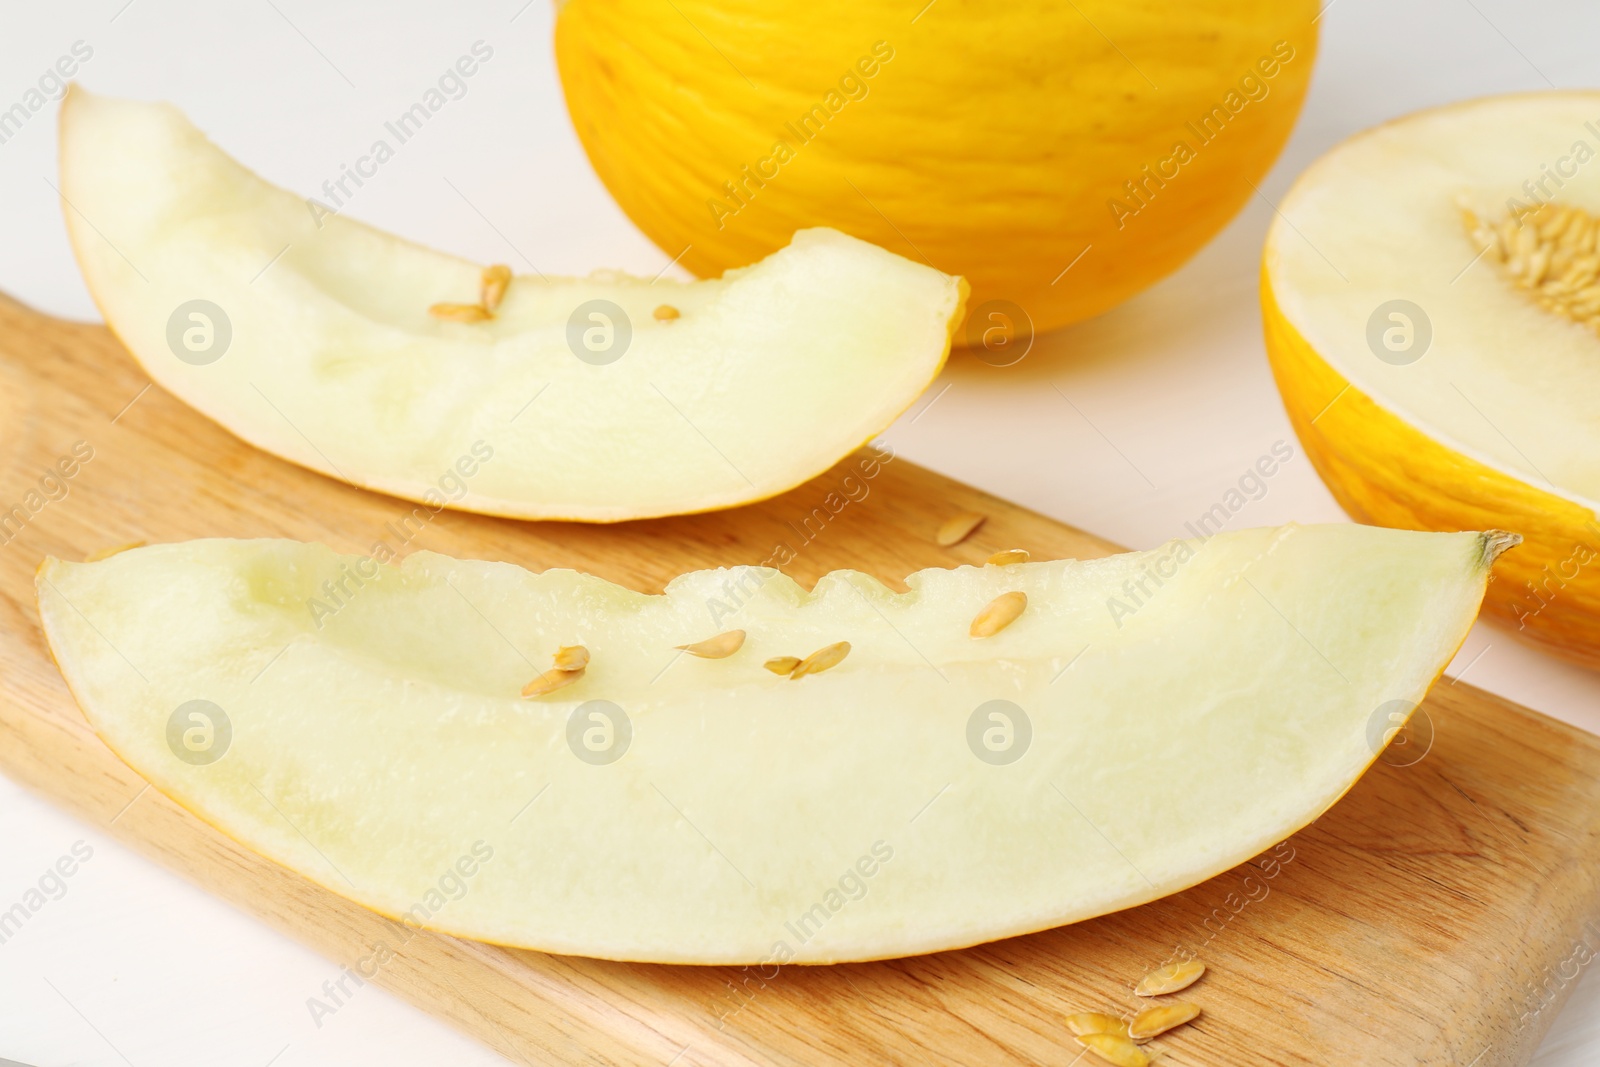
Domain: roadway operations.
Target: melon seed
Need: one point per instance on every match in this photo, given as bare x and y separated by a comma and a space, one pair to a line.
719, 647
492, 289
782, 664
1115, 1049
1009, 556
1095, 1022
820, 660
666, 313
459, 312
1170, 979
999, 613
571, 658
1153, 1022
550, 681
958, 528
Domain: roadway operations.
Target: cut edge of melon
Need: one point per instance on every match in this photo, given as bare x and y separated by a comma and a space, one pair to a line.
1281, 231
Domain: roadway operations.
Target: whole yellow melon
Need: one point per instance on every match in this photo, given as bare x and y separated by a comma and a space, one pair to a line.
1060, 156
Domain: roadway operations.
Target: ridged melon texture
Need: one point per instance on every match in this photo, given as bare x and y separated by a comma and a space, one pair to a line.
999, 141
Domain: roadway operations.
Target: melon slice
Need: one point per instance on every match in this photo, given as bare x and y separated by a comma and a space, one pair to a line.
1432, 299
599, 399
1148, 721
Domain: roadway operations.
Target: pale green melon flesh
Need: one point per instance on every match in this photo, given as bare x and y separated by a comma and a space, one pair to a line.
770, 375
754, 818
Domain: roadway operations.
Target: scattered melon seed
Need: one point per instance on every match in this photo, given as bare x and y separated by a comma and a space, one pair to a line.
958, 528
718, 647
822, 659
550, 681
999, 613
1009, 556
666, 313
492, 290
1115, 1049
1170, 979
459, 312
1095, 1022
571, 658
107, 553
782, 664
1152, 1022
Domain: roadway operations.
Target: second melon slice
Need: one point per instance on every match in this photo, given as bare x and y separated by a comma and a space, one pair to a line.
921, 789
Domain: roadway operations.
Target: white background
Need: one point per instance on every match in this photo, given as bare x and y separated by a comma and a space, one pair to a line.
1167, 402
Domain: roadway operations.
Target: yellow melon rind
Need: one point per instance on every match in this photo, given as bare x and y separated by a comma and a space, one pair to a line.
1386, 472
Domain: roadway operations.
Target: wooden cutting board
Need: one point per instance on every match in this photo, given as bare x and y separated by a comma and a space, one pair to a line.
1439, 914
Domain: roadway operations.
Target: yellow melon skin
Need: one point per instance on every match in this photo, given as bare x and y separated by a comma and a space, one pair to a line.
1386, 472
991, 140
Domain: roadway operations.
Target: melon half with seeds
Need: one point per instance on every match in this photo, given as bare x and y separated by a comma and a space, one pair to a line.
1432, 302
358, 354
919, 787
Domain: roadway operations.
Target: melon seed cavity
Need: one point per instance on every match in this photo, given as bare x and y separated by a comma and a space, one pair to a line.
1549, 252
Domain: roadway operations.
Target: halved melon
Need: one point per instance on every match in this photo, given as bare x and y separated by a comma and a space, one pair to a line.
599, 399
1432, 301
1148, 721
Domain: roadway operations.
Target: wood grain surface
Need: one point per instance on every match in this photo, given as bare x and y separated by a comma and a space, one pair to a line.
1439, 914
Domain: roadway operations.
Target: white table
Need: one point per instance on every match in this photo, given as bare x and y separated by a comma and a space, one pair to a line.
1170, 396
